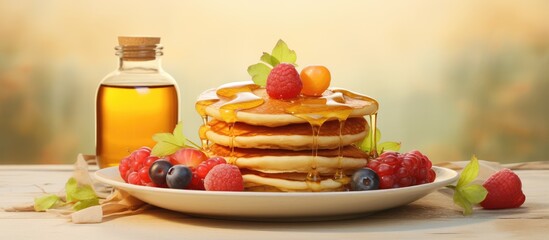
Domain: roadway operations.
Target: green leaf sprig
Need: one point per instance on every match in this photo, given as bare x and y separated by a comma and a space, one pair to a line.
467, 194
78, 196
82, 196
366, 144
46, 202
169, 143
280, 54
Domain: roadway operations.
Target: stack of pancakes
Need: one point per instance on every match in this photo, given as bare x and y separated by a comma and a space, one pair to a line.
274, 148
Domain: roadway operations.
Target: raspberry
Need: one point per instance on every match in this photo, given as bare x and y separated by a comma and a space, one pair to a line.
134, 168
224, 177
123, 168
133, 178
401, 170
504, 191
144, 176
201, 171
197, 183
150, 160
204, 167
283, 82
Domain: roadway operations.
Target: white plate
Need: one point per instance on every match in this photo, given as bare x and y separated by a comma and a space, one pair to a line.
268, 206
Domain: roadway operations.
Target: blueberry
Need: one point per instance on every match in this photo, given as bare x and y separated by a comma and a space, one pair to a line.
158, 171
365, 179
179, 176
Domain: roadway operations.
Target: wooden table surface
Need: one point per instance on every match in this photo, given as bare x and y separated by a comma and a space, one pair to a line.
432, 217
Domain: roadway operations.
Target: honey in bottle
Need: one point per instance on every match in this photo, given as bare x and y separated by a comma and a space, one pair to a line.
135, 101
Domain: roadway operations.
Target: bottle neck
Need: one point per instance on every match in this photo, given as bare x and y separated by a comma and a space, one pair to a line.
139, 58
140, 65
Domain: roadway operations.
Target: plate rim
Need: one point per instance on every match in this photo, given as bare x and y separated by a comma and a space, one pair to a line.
119, 183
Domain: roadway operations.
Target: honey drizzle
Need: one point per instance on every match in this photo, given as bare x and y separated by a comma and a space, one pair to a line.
373, 125
317, 111
312, 175
337, 99
232, 158
316, 120
206, 99
339, 171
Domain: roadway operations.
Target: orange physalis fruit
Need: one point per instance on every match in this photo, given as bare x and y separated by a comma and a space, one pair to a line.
315, 79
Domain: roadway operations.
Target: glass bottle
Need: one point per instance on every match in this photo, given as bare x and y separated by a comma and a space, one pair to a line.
135, 101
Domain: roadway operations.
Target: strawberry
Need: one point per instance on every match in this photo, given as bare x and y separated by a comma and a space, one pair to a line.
504, 191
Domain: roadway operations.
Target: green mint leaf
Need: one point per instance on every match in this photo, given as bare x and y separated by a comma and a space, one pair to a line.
71, 187
465, 193
178, 134
82, 196
85, 204
283, 53
463, 202
84, 192
166, 144
175, 138
259, 73
366, 144
76, 193
162, 149
166, 137
169, 143
474, 193
269, 59
388, 146
469, 173
46, 202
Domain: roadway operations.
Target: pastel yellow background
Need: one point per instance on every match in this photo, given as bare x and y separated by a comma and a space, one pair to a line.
453, 78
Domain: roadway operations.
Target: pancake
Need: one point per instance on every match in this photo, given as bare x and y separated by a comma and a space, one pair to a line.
258, 183
273, 112
285, 161
293, 137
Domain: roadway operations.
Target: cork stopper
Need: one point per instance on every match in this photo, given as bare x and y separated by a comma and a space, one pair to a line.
139, 48
138, 41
